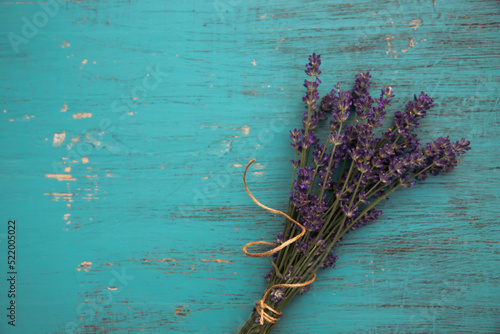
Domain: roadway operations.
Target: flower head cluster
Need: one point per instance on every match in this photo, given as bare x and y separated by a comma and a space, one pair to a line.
338, 181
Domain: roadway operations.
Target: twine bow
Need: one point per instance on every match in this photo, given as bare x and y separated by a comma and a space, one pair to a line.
261, 305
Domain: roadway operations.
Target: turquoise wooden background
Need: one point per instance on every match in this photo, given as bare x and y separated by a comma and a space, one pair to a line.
126, 126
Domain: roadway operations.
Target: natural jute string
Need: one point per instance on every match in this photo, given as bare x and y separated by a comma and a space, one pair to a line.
283, 245
261, 305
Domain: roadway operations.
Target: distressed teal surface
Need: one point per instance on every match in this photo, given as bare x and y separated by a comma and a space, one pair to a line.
134, 222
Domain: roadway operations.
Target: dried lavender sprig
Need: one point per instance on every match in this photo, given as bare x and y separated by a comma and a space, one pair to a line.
302, 144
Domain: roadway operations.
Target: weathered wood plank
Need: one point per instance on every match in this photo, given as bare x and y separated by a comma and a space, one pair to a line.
126, 126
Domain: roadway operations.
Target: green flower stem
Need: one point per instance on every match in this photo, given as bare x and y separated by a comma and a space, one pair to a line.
327, 173
291, 188
289, 229
342, 170
369, 192
356, 190
347, 178
331, 157
306, 129
292, 230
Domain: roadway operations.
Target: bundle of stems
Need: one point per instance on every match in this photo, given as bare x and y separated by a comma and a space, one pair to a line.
337, 185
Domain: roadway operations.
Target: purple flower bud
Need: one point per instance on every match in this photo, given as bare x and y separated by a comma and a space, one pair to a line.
362, 167
348, 211
327, 101
319, 157
385, 178
368, 217
277, 295
312, 69
361, 84
377, 163
341, 106
279, 239
336, 139
329, 261
362, 197
396, 167
386, 151
311, 86
461, 146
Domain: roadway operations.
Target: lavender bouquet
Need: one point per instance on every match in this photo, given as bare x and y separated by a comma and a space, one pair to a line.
338, 181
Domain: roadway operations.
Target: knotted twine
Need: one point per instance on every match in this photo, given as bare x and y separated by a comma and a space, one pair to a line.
260, 305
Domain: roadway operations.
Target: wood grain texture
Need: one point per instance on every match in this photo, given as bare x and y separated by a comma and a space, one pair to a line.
126, 125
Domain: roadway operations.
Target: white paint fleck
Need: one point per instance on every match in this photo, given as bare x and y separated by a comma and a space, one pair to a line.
59, 138
246, 130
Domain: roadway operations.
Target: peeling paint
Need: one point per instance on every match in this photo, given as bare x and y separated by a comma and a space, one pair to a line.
58, 138
389, 46
65, 44
82, 115
60, 177
90, 139
168, 259
180, 311
246, 130
216, 260
57, 196
83, 63
85, 266
414, 24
